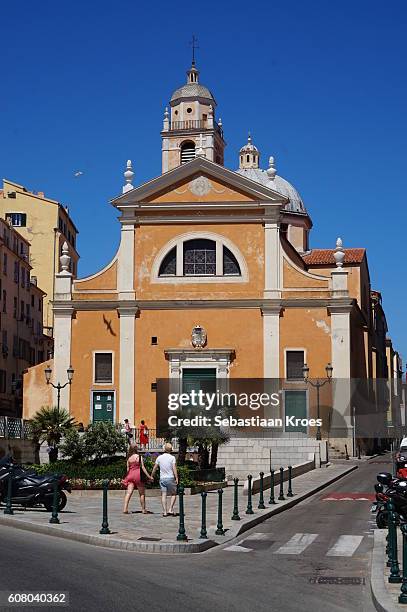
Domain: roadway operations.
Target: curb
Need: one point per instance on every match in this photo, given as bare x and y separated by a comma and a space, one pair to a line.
380, 595
164, 547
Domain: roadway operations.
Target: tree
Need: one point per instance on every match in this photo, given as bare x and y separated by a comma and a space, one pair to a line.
49, 425
103, 439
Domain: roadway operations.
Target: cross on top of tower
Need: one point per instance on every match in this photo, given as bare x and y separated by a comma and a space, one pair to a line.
194, 45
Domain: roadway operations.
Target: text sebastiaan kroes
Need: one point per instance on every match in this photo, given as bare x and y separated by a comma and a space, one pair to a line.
197, 405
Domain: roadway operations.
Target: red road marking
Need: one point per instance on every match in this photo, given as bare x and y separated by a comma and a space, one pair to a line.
349, 496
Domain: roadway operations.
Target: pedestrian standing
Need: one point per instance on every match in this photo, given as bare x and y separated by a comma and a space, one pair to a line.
143, 435
127, 431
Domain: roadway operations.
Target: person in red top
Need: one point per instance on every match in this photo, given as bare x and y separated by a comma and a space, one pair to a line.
135, 466
143, 435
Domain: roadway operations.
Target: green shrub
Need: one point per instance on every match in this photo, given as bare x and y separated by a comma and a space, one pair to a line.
102, 438
112, 468
73, 446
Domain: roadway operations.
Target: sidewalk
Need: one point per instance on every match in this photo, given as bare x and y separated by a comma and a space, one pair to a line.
82, 518
384, 595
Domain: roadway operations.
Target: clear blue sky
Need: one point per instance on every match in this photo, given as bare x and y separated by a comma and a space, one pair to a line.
320, 85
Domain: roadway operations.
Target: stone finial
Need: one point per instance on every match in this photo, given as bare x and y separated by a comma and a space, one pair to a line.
65, 258
220, 122
339, 253
210, 110
166, 113
271, 170
128, 175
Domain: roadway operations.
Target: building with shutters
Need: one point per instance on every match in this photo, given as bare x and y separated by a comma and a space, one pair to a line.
22, 343
46, 225
214, 253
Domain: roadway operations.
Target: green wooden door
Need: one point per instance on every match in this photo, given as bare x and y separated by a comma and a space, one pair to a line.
103, 406
199, 378
295, 406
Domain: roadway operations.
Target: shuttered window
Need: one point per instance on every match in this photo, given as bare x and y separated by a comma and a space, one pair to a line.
103, 368
294, 364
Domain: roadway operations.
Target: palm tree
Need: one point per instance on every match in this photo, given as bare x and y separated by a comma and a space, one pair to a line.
49, 425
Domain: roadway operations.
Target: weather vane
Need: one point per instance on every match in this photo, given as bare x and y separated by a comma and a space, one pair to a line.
194, 46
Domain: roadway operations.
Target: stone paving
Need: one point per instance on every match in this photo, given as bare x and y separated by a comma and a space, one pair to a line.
152, 532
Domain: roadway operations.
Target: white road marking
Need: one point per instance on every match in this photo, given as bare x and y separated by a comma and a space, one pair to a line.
237, 548
297, 544
259, 536
345, 546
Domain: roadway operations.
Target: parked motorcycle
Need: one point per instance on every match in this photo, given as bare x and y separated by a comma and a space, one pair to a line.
29, 489
388, 488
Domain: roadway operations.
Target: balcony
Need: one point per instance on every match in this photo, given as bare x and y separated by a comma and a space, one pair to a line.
191, 125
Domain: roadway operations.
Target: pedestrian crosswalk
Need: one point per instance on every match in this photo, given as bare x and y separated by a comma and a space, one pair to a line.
299, 543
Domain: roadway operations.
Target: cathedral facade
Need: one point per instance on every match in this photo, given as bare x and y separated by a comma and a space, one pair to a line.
221, 252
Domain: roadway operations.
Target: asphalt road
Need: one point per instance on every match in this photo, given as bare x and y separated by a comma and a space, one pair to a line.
279, 565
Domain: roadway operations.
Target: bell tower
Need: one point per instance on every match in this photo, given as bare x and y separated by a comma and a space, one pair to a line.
189, 127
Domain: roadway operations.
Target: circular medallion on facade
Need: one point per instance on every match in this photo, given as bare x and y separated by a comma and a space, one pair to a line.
200, 186
198, 337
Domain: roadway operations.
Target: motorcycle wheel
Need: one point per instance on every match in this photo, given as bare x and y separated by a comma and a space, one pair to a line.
62, 502
381, 519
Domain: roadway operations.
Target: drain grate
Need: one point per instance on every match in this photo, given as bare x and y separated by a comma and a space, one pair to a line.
146, 539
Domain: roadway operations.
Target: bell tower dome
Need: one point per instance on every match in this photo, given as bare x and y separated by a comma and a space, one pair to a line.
189, 127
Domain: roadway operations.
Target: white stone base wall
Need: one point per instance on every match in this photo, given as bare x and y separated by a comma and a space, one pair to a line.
243, 456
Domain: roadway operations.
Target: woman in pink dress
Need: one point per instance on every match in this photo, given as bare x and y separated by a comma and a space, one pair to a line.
135, 466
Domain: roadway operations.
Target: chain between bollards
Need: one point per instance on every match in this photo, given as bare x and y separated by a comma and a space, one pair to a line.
290, 487
203, 535
403, 588
181, 537
281, 495
219, 526
105, 524
235, 515
55, 504
261, 505
272, 498
8, 509
394, 577
249, 509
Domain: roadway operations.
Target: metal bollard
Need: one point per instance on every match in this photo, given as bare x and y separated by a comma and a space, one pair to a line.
8, 509
359, 456
203, 535
105, 524
249, 509
219, 526
261, 505
55, 504
346, 453
403, 589
281, 496
272, 499
394, 577
290, 488
181, 537
235, 515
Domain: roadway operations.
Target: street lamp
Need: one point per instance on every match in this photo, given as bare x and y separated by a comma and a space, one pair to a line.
317, 385
48, 372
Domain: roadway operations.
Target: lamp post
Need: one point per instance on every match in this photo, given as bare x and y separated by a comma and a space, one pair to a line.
317, 385
58, 386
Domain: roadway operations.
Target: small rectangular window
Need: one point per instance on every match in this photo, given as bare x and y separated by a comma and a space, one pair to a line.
17, 219
4, 300
154, 340
294, 365
5, 263
103, 368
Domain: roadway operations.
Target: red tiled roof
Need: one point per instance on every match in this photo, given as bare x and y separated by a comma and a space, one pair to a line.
321, 257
